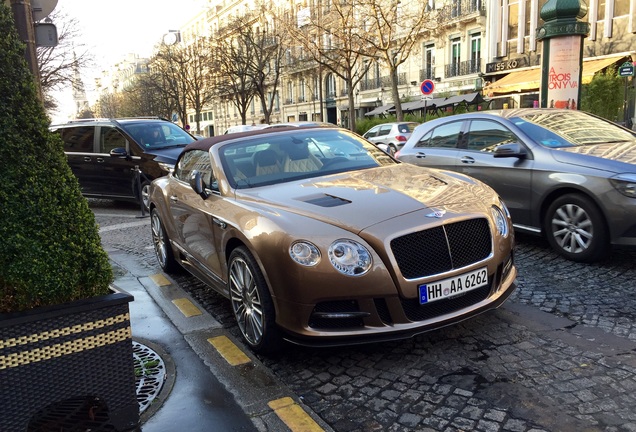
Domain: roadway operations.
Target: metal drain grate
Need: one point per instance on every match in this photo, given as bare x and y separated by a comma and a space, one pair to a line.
150, 374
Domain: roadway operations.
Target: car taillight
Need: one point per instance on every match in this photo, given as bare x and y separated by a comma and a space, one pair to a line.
400, 138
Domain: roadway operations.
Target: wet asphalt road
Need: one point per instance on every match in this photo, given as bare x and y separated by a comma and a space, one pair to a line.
559, 356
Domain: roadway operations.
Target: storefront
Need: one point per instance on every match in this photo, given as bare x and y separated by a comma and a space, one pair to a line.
520, 87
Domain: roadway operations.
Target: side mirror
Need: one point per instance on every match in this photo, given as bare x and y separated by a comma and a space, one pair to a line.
119, 152
196, 183
510, 150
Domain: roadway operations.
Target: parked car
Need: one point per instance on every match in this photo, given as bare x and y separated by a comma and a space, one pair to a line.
318, 237
565, 174
390, 137
299, 124
104, 154
244, 128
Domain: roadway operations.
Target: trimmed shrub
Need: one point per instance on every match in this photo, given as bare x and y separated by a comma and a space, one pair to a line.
50, 250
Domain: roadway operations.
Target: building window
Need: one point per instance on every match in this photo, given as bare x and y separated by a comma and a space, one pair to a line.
513, 19
331, 86
290, 92
429, 61
453, 69
475, 53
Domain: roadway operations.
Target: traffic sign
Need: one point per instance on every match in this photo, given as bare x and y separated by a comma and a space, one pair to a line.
626, 69
427, 87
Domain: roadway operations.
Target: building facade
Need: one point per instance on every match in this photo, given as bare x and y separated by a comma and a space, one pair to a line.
488, 47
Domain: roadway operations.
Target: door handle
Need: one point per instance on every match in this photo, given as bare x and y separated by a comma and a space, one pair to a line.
420, 155
467, 160
100, 160
174, 198
87, 158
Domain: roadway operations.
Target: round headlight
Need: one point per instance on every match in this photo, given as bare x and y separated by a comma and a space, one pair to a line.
349, 257
304, 253
501, 221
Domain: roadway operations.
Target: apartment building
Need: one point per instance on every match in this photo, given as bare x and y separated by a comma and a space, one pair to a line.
513, 74
483, 47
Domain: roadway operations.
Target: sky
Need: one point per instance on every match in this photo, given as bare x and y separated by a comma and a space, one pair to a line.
114, 28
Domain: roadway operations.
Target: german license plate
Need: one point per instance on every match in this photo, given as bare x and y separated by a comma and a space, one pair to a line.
453, 286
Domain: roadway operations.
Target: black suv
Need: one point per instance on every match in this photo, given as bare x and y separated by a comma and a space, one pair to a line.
104, 153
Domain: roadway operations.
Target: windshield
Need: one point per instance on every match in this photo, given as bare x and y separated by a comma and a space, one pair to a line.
287, 156
556, 129
157, 135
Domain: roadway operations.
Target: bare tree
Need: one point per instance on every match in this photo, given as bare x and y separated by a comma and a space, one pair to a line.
169, 74
250, 55
233, 51
182, 73
61, 65
333, 38
394, 27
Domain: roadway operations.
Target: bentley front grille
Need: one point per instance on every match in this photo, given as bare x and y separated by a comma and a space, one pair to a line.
443, 248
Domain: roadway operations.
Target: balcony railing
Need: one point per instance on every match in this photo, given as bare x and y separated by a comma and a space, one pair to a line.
288, 102
428, 73
459, 9
463, 68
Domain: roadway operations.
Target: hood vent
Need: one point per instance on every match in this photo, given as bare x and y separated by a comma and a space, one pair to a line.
325, 200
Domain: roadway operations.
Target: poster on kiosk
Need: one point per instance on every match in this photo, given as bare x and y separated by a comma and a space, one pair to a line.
564, 73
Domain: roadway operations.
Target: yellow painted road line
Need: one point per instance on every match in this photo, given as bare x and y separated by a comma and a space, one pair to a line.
294, 416
160, 280
186, 307
230, 352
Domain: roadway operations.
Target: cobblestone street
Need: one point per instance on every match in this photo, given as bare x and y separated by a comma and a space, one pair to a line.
559, 356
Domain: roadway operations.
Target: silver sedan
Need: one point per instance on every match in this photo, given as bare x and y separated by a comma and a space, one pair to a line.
565, 174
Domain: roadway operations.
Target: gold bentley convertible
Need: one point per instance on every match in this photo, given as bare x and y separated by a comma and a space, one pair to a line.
317, 237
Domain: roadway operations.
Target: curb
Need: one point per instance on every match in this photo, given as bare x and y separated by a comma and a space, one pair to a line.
271, 405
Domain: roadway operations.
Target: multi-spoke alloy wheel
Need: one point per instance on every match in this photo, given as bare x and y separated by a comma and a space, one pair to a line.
251, 302
161, 244
575, 228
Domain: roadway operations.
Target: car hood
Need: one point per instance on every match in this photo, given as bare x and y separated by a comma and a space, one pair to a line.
166, 154
599, 155
359, 199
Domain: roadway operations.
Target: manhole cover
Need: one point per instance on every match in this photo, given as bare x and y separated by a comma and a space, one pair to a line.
150, 374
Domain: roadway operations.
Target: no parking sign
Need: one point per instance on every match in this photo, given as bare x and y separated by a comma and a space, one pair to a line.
427, 87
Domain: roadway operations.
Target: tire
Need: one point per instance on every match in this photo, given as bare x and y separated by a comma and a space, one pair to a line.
161, 243
252, 304
145, 195
576, 229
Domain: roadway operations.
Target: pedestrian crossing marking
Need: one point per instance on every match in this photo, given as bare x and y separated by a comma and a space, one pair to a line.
160, 280
186, 307
230, 352
296, 419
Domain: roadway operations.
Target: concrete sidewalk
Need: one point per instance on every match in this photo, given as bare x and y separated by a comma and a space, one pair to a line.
216, 384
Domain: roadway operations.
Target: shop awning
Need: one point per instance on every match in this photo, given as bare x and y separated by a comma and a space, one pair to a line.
516, 81
429, 104
470, 99
379, 110
590, 67
530, 79
406, 107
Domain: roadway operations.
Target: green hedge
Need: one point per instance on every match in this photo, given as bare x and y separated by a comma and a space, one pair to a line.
50, 249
